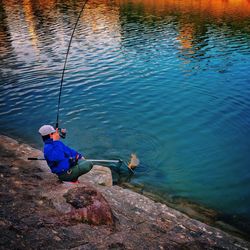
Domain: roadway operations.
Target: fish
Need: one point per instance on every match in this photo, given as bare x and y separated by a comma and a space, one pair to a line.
134, 161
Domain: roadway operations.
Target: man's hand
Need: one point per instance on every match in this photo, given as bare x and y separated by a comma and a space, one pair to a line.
79, 156
56, 136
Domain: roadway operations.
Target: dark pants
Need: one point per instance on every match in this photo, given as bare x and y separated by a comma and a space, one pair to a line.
120, 172
73, 173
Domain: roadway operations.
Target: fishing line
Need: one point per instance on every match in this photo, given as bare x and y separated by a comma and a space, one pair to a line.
134, 160
65, 63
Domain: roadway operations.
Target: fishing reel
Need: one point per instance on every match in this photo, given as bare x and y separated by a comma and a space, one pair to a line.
62, 132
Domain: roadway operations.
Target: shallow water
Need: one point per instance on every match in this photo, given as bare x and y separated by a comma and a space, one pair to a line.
168, 80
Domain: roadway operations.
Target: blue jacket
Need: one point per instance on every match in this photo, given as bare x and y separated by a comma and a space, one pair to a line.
59, 157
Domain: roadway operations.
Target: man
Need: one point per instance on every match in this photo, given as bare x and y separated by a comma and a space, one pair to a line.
62, 160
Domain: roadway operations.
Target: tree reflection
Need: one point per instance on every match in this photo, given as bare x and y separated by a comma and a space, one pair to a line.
217, 8
193, 21
7, 54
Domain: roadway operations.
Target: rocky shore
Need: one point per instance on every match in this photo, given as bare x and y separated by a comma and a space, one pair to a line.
39, 212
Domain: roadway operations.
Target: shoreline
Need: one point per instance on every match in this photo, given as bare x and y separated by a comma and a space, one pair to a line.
22, 147
199, 212
225, 222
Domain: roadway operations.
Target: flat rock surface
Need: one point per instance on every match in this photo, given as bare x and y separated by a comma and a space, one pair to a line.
39, 212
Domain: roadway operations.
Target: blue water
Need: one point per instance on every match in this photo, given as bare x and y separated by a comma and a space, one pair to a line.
171, 86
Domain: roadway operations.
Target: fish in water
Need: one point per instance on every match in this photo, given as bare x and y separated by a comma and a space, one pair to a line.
134, 162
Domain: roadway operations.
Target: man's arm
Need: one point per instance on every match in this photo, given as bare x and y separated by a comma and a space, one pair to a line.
69, 151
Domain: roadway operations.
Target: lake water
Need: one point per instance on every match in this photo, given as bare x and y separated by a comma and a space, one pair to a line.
169, 80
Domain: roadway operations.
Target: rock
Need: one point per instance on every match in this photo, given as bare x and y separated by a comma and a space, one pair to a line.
88, 205
98, 175
60, 205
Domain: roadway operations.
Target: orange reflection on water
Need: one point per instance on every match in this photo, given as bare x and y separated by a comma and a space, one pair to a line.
47, 3
29, 16
217, 8
186, 36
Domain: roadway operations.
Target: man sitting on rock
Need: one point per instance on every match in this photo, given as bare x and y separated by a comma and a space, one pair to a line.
63, 161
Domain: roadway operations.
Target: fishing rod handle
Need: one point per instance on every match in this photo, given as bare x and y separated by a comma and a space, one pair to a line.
35, 159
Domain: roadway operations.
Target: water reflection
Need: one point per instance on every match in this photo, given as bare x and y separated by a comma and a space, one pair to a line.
29, 16
7, 53
237, 9
46, 17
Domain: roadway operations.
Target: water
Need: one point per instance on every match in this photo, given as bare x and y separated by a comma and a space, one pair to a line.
168, 80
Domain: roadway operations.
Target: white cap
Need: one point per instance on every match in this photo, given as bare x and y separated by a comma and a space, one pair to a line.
46, 130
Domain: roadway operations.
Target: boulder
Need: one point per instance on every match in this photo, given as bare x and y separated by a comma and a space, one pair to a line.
98, 175
89, 206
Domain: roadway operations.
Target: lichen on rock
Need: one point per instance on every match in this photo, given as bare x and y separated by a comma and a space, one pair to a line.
88, 205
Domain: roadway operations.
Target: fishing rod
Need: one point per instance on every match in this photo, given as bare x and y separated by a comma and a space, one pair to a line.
63, 133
